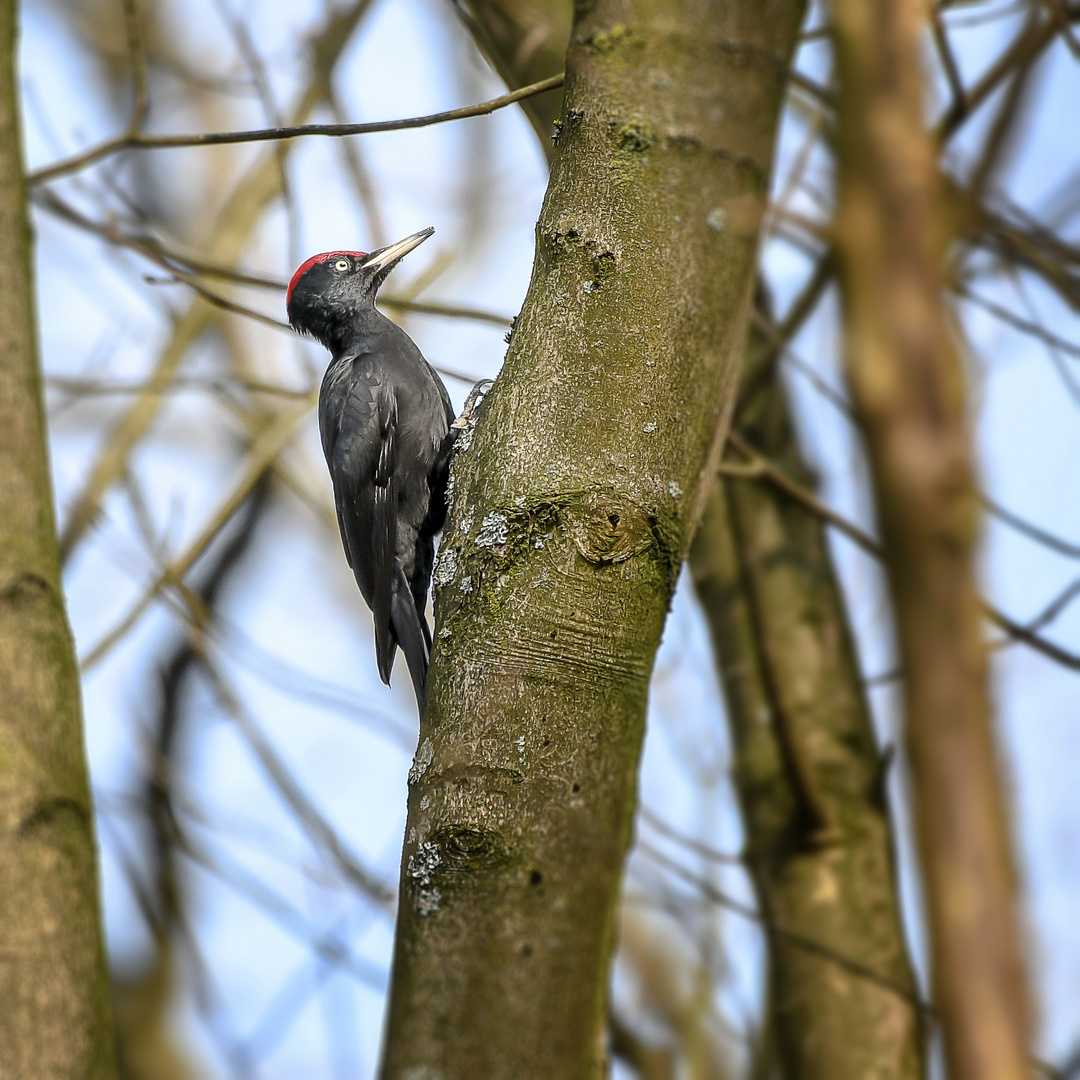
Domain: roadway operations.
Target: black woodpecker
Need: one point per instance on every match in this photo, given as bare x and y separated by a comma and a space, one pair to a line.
387, 429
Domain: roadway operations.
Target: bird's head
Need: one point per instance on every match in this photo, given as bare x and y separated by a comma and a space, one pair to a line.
330, 291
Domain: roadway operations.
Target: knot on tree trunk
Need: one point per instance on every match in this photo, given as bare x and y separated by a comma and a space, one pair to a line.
608, 528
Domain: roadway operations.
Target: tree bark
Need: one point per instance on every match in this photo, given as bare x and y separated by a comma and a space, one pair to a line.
55, 1017
907, 388
807, 770
577, 494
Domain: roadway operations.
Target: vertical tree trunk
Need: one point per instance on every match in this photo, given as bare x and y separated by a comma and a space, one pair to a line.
54, 1018
575, 504
908, 390
808, 773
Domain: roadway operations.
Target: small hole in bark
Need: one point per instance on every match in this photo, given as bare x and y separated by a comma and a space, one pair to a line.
614, 519
536, 878
575, 788
526, 950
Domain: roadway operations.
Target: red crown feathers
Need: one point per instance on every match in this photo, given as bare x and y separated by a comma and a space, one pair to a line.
306, 266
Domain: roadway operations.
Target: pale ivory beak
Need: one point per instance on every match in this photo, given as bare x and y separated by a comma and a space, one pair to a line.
386, 257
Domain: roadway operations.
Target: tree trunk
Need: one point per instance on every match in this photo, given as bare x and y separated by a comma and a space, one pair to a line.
575, 504
907, 388
808, 773
55, 1019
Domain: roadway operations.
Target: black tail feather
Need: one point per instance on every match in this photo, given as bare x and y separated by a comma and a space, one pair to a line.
382, 600
409, 631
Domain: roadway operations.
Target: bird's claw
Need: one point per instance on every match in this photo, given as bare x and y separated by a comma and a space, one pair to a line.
472, 403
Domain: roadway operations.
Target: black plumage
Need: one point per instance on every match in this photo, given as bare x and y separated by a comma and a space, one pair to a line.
385, 419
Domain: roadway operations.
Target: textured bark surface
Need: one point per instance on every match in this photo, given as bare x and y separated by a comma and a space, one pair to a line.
576, 496
54, 1018
907, 387
822, 860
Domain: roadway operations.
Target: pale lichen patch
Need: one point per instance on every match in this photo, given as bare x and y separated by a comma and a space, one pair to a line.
428, 901
424, 862
493, 530
446, 565
425, 754
716, 219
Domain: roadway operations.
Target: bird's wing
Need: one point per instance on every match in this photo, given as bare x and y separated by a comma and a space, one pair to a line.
358, 420
349, 426
397, 621
384, 533
362, 440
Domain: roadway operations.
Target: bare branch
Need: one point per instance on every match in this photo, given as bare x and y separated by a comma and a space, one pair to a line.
764, 469
266, 447
321, 833
1041, 536
152, 249
276, 134
1024, 49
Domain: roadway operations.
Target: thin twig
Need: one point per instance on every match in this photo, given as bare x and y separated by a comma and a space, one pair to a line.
321, 833
266, 447
854, 967
715, 896
780, 479
779, 336
1060, 14
183, 268
1002, 131
1055, 543
1024, 49
687, 842
101, 388
1055, 607
1024, 325
276, 134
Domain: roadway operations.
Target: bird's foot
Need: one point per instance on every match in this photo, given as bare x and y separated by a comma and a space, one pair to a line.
472, 403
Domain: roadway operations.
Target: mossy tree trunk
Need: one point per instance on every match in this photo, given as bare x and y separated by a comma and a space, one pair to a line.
807, 770
576, 497
54, 993
907, 386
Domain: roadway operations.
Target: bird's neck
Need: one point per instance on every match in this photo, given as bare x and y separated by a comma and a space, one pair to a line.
358, 333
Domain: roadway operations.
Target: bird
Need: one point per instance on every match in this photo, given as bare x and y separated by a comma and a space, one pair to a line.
387, 428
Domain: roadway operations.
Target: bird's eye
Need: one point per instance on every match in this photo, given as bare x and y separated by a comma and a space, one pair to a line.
341, 265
